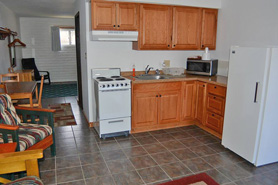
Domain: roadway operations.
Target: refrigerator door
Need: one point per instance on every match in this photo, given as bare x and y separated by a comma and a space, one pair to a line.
243, 102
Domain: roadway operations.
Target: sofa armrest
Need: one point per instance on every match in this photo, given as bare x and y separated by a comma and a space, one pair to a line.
8, 127
34, 109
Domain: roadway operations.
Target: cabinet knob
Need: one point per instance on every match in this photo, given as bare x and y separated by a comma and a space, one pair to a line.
212, 114
156, 96
160, 95
168, 46
202, 45
174, 45
118, 25
114, 26
203, 85
215, 87
214, 97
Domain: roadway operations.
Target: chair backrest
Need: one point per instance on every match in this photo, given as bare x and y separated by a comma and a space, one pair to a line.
8, 113
29, 63
9, 77
41, 89
3, 89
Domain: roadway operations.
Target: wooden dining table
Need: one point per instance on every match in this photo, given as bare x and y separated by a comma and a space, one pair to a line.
22, 90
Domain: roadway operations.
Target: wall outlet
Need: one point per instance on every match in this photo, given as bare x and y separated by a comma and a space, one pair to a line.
166, 63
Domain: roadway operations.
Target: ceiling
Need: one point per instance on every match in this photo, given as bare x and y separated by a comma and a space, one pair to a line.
41, 8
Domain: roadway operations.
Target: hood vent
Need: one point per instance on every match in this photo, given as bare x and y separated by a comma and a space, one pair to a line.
124, 36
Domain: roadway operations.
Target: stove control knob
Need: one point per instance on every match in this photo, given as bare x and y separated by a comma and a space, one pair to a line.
126, 84
103, 86
108, 85
122, 84
117, 85
112, 85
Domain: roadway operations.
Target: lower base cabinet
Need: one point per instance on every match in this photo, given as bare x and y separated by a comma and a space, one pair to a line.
171, 104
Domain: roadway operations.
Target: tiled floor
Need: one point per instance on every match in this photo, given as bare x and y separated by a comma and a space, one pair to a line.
144, 158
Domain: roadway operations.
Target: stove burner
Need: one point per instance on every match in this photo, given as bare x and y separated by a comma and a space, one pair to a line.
105, 79
101, 77
117, 79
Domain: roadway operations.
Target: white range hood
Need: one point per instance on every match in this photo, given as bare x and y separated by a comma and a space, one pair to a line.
125, 36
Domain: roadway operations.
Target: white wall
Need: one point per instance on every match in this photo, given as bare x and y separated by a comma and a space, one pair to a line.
8, 19
36, 32
246, 23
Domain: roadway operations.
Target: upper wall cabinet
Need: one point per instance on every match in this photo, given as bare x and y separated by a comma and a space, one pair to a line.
115, 16
209, 28
176, 28
155, 27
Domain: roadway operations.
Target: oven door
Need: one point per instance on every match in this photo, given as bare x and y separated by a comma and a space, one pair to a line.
114, 103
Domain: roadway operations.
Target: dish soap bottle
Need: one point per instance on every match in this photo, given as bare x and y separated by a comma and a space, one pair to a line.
133, 70
206, 54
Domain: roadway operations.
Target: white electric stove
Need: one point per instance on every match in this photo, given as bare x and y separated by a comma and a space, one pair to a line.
113, 102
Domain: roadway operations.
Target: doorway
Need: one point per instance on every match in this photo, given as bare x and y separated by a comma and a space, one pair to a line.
78, 59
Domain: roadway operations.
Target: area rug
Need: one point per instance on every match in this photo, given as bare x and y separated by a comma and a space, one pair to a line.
63, 115
59, 90
199, 179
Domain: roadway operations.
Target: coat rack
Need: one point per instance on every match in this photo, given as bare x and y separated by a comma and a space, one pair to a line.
5, 32
14, 43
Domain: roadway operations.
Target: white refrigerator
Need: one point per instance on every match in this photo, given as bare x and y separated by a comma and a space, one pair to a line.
251, 114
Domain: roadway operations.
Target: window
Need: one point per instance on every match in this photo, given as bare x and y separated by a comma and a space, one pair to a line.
67, 36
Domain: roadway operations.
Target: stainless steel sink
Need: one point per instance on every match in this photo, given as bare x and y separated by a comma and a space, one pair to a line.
151, 77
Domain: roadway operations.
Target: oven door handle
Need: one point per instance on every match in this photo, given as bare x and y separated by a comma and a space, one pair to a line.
116, 121
114, 90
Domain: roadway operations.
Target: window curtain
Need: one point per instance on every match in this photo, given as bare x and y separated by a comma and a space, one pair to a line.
56, 44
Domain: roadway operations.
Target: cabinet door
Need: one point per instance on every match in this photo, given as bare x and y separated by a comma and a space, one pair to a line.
103, 16
209, 28
188, 100
201, 101
144, 109
169, 107
155, 27
186, 28
127, 16
214, 122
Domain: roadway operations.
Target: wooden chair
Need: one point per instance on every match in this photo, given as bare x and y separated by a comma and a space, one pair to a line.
3, 89
12, 77
36, 103
30, 128
21, 161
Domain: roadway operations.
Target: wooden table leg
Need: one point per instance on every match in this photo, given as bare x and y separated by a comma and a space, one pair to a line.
31, 100
37, 97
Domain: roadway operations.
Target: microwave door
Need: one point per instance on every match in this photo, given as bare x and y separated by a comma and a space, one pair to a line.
198, 67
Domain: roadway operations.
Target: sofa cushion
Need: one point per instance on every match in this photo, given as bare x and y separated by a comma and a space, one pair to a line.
8, 113
30, 134
30, 180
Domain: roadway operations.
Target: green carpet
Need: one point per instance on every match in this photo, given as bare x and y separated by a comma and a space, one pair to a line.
59, 90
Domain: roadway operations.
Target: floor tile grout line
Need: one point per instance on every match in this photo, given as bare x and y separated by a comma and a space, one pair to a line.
132, 163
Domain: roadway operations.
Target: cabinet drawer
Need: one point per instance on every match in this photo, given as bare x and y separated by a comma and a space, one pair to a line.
216, 104
214, 122
151, 87
217, 90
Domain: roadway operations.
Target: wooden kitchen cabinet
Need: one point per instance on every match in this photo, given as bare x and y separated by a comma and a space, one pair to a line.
144, 109
214, 122
209, 28
186, 28
155, 27
216, 104
188, 105
168, 107
115, 16
155, 105
201, 101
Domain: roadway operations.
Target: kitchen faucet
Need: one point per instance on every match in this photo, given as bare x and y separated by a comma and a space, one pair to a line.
147, 69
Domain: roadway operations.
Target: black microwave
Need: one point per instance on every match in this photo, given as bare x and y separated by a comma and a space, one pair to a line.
202, 67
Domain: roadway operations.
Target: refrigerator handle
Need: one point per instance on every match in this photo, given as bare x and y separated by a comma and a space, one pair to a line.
256, 92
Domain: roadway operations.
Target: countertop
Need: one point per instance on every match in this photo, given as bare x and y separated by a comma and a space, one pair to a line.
218, 80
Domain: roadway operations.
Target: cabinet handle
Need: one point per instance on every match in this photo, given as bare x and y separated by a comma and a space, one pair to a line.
156, 96
114, 26
168, 46
203, 85
202, 45
214, 97
212, 114
160, 95
215, 87
256, 92
174, 45
118, 25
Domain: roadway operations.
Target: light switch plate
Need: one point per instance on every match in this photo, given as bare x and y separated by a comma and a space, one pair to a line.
166, 63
